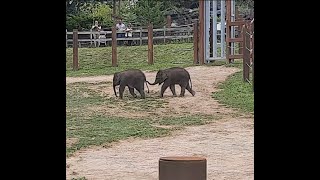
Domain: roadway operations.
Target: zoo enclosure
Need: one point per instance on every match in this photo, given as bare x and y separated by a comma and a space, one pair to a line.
182, 33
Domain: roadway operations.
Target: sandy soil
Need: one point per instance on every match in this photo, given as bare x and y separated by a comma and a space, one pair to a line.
227, 143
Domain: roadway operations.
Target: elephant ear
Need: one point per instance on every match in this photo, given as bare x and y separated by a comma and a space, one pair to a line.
116, 77
164, 75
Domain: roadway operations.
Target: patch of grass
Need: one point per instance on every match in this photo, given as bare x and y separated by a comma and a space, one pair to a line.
187, 120
237, 63
150, 103
97, 61
90, 127
235, 92
99, 129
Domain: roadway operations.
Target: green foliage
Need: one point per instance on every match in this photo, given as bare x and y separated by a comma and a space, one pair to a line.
88, 123
235, 92
149, 11
245, 7
97, 61
85, 15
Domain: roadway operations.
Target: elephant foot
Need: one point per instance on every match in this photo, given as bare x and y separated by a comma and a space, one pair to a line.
193, 93
174, 95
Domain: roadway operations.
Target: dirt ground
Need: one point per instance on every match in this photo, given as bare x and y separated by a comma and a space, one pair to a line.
227, 143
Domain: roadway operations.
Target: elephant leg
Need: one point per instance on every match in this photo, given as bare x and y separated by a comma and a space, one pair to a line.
131, 90
163, 88
121, 89
143, 95
190, 90
183, 89
173, 90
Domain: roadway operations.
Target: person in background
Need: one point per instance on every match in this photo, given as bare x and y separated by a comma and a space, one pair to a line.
129, 33
121, 29
97, 28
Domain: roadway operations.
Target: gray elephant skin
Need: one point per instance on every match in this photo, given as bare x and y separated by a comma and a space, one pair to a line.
133, 78
172, 76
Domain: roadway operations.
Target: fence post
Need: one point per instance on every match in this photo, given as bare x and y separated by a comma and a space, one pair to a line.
140, 36
91, 34
164, 34
114, 46
169, 21
246, 53
252, 60
75, 49
195, 43
150, 43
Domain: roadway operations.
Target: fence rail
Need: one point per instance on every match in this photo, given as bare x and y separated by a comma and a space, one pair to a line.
139, 36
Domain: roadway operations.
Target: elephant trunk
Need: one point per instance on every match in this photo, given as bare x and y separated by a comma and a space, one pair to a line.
155, 82
114, 90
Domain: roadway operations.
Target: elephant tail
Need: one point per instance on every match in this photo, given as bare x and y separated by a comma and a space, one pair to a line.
147, 85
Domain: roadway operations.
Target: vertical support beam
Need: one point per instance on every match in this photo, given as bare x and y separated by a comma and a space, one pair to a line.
228, 14
207, 27
114, 8
75, 50
252, 52
150, 43
201, 32
238, 28
232, 27
140, 35
119, 9
214, 30
114, 46
246, 53
223, 21
211, 37
252, 61
195, 43
164, 34
169, 21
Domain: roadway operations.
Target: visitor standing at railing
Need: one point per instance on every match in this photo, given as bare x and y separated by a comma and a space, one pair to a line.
121, 29
129, 33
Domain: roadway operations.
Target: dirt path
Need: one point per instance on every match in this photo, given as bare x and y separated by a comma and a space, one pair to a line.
227, 143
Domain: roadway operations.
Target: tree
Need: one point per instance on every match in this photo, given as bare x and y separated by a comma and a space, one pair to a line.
145, 11
82, 15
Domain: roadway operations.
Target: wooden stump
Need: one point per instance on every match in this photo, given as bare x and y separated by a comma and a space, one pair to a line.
182, 168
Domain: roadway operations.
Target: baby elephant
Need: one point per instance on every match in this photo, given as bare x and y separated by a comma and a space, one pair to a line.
133, 78
170, 77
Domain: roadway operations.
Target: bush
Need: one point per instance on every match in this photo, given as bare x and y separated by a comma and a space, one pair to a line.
86, 14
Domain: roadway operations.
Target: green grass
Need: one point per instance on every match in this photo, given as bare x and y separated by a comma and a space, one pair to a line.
235, 92
187, 120
97, 61
89, 126
92, 127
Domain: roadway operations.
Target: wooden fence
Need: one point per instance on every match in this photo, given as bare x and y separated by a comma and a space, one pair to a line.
139, 36
248, 51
